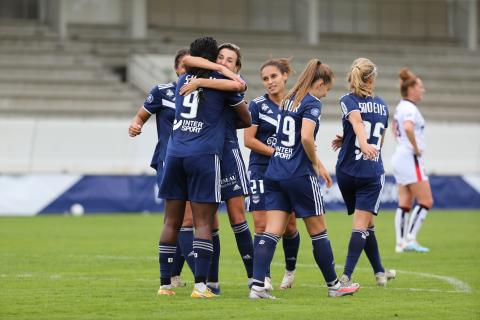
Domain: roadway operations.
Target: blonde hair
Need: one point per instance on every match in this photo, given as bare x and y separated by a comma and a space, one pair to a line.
407, 79
361, 71
314, 71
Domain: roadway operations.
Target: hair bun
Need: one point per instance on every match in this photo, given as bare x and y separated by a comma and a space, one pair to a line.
406, 74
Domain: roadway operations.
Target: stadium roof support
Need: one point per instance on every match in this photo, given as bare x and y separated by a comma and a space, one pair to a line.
312, 30
138, 19
472, 26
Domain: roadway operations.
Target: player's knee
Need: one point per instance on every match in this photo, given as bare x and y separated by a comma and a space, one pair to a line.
290, 230
426, 203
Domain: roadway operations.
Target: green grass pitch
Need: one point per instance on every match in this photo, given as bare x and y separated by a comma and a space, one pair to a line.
105, 267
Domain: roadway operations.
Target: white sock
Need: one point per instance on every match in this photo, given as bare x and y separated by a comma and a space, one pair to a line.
201, 286
421, 215
401, 224
213, 285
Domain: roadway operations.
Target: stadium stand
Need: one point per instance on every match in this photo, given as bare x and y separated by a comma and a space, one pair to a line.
42, 75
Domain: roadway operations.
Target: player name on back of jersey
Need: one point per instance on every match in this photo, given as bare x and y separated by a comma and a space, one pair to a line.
372, 107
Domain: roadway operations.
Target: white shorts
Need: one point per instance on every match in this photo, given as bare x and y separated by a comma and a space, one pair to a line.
407, 167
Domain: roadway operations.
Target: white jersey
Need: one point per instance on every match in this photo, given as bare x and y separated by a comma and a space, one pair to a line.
408, 111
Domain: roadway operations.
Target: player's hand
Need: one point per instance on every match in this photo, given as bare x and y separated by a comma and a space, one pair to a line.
337, 142
232, 75
369, 150
134, 130
417, 152
190, 86
322, 172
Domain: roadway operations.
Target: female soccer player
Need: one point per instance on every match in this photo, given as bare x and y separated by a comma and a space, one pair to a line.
161, 102
234, 183
408, 167
292, 181
192, 166
261, 138
359, 170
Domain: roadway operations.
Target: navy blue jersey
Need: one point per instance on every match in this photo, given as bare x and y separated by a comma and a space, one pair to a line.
231, 129
290, 159
199, 126
265, 116
161, 102
374, 112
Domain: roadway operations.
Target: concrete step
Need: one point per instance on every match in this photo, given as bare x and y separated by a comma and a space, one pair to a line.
54, 75
52, 93
47, 59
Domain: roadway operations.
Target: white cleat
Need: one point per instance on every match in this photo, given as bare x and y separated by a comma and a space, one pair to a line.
288, 279
177, 282
268, 284
400, 247
257, 292
383, 277
345, 288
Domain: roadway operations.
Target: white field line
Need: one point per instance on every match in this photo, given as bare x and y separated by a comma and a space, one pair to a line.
458, 285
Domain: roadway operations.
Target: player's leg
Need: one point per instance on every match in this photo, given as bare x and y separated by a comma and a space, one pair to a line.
212, 279
291, 244
185, 243
204, 195
263, 255
308, 205
174, 210
243, 236
173, 189
423, 194
402, 215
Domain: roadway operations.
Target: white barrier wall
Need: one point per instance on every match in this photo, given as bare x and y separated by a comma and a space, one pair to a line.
103, 146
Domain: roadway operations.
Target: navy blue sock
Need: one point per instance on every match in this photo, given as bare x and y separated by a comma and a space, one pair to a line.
263, 257
290, 248
244, 245
178, 261
203, 256
372, 252
166, 252
355, 248
185, 241
256, 240
215, 263
322, 252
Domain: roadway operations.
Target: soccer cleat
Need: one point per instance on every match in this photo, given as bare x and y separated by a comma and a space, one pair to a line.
416, 247
268, 284
288, 280
214, 289
166, 290
177, 282
383, 277
400, 247
257, 292
198, 294
343, 289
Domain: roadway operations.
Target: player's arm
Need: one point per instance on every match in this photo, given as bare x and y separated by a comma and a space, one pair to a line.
254, 144
410, 133
199, 62
138, 121
244, 119
369, 150
308, 143
218, 84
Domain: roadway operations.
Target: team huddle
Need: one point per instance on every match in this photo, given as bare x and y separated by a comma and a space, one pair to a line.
199, 164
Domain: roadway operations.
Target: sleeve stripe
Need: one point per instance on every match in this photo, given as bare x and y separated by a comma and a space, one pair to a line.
169, 104
310, 120
147, 110
236, 104
346, 115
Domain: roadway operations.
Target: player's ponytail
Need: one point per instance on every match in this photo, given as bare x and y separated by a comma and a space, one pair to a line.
361, 76
314, 71
407, 79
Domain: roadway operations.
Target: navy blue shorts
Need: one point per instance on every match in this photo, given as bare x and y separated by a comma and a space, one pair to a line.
256, 176
234, 181
302, 195
195, 178
360, 193
159, 169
